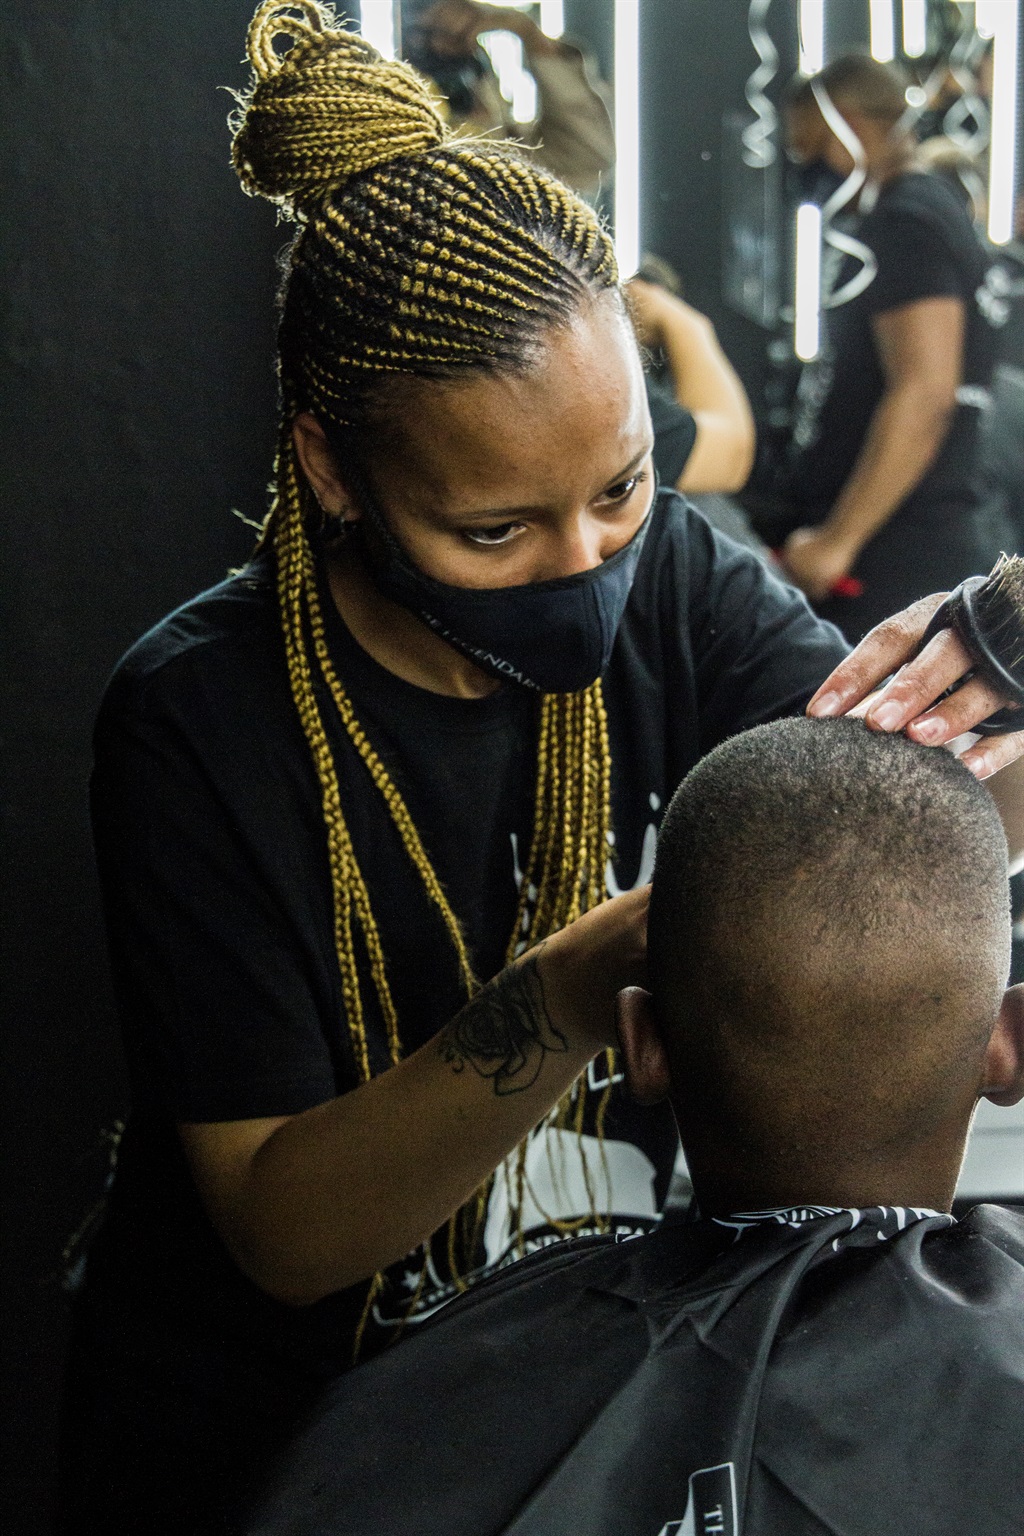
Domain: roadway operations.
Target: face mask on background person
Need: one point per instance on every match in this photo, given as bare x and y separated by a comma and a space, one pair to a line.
813, 181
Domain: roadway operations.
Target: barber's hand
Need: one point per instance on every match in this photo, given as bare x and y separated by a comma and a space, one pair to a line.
903, 704
813, 559
455, 25
452, 27
586, 965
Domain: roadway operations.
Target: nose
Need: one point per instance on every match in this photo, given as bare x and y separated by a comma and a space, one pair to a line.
579, 543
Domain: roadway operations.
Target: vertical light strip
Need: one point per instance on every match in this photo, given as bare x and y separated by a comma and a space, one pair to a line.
627, 136
807, 292
811, 26
377, 25
883, 37
515, 81
552, 17
1003, 147
915, 28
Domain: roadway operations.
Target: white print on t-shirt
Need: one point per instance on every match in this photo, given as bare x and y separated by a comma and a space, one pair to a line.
994, 295
711, 1507
612, 885
647, 848
566, 1176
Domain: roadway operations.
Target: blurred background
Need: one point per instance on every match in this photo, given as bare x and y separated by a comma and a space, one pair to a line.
137, 349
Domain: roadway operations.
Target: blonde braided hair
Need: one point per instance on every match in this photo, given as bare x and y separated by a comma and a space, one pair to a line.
420, 255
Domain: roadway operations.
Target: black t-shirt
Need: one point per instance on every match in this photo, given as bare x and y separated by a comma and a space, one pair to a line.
213, 862
796, 1373
925, 247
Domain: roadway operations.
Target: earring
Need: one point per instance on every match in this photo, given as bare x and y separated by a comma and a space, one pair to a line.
333, 527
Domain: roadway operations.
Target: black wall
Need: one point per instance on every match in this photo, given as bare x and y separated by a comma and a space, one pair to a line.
695, 61
694, 65
137, 350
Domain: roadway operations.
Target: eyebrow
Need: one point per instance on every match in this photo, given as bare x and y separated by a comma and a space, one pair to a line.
508, 513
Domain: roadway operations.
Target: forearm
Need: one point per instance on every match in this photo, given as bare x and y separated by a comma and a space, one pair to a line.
573, 128
721, 458
341, 1191
903, 439
707, 386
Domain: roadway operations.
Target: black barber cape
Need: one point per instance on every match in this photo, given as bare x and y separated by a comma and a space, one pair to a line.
788, 1373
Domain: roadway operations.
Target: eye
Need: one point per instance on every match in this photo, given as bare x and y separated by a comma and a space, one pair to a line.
623, 489
503, 533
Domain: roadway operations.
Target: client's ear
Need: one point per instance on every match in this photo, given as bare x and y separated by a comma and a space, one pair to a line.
1003, 1072
644, 1058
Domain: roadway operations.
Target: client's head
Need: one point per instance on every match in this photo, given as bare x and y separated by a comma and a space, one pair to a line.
829, 945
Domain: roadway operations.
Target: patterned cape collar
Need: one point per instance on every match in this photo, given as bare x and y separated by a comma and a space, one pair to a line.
887, 1220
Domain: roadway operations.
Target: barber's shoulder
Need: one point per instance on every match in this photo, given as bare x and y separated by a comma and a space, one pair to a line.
674, 522
921, 202
228, 627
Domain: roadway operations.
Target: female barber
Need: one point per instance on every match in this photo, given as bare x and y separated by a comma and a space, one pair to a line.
427, 727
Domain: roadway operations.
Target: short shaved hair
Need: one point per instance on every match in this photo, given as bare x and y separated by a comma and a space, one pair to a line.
856, 80
829, 940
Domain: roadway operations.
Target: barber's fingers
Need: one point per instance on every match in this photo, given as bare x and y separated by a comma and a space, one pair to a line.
963, 709
886, 648
906, 702
992, 753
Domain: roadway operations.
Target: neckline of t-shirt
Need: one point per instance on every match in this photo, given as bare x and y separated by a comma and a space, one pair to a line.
363, 674
911, 180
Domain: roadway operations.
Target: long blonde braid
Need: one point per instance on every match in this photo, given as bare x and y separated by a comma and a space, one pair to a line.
421, 256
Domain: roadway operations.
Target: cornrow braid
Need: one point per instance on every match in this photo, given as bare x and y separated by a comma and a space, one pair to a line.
419, 255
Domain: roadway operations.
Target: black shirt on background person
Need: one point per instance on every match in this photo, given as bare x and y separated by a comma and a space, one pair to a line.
886, 474
925, 246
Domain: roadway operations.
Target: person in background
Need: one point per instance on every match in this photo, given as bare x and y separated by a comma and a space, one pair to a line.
962, 170
828, 943
885, 480
572, 135
704, 430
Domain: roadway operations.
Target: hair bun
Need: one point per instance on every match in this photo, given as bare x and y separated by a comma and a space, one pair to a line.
326, 109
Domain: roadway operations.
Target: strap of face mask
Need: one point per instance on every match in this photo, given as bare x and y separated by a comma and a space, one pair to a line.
857, 179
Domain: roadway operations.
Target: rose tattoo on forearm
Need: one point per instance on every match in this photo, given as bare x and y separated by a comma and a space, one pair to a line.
505, 1032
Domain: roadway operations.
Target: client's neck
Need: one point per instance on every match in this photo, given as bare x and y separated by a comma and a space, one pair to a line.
924, 1177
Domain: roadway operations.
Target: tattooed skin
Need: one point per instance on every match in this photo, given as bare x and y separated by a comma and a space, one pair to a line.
505, 1033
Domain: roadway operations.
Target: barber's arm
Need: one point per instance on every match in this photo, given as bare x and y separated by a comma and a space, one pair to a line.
573, 132
920, 346
313, 1202
705, 384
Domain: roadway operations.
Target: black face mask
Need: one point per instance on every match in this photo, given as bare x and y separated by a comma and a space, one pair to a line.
554, 636
814, 182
